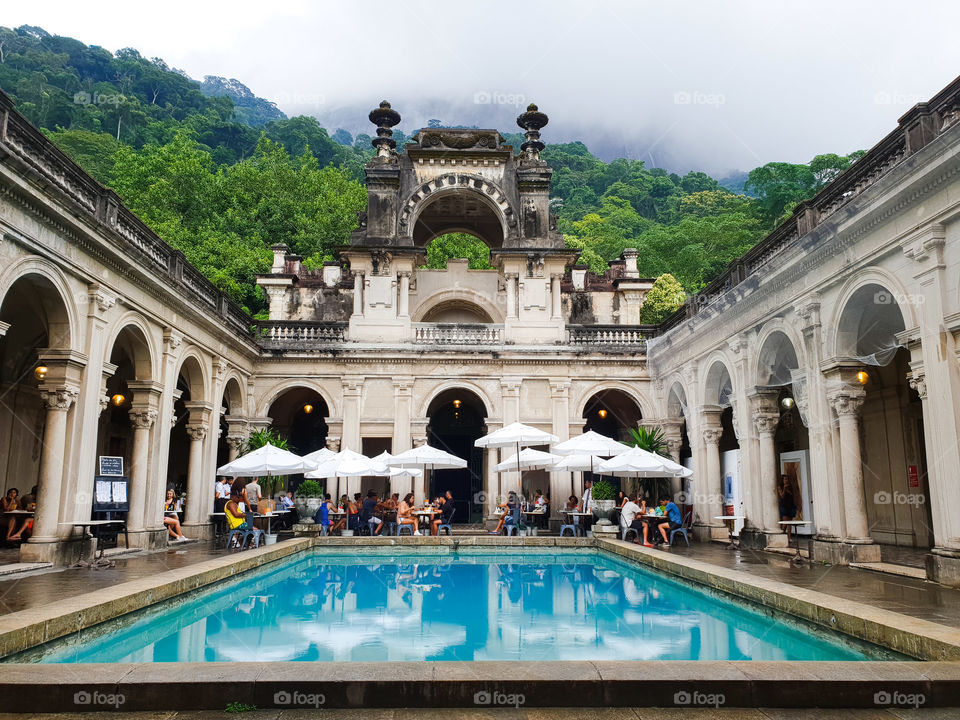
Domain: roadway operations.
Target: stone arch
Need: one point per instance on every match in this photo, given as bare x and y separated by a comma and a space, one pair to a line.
193, 369
287, 384
774, 338
470, 187
677, 400
53, 295
642, 402
234, 390
436, 391
459, 297
718, 381
133, 329
870, 298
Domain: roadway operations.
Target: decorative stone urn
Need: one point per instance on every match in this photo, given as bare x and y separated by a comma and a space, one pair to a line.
307, 507
601, 512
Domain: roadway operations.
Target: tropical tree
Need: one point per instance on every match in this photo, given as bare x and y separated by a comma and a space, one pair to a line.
258, 439
666, 295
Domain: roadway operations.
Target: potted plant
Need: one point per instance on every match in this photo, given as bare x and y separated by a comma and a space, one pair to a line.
652, 440
604, 501
307, 498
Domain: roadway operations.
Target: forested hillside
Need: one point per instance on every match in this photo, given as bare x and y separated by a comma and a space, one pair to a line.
222, 174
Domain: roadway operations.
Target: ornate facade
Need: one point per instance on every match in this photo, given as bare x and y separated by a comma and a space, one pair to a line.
142, 358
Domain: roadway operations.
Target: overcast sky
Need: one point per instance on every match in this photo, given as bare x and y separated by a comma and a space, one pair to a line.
706, 85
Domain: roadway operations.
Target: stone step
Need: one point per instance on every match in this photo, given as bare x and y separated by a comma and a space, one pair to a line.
892, 569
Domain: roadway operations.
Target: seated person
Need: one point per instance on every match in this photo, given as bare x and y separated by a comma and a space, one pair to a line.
673, 521
446, 511
15, 525
286, 503
629, 519
572, 503
368, 510
353, 512
322, 516
405, 514
235, 513
172, 522
507, 517
344, 506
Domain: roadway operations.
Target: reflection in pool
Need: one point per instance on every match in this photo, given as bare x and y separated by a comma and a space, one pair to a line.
575, 605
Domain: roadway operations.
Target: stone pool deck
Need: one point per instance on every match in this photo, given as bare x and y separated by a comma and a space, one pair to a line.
70, 605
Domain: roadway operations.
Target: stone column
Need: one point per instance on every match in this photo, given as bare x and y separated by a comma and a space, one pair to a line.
358, 293
560, 482
556, 307
237, 433
673, 436
939, 378
352, 388
420, 484
766, 417
57, 401
142, 418
402, 399
197, 505
707, 500
512, 311
403, 305
846, 401
492, 478
510, 393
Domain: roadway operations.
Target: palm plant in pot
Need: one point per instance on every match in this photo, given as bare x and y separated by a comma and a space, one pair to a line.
652, 440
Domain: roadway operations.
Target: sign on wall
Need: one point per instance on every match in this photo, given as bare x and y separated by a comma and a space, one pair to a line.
111, 465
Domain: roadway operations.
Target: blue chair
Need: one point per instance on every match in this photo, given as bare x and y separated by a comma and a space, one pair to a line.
512, 523
447, 525
573, 527
404, 526
683, 529
246, 534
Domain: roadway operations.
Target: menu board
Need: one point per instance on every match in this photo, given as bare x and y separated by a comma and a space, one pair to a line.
111, 465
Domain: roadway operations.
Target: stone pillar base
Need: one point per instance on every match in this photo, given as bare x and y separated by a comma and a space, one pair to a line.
705, 533
148, 539
60, 552
943, 566
757, 539
199, 531
838, 552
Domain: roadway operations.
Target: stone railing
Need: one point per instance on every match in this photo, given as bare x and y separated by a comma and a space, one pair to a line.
610, 335
26, 149
293, 334
457, 334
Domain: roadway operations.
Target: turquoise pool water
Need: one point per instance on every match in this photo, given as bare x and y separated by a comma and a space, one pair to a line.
332, 607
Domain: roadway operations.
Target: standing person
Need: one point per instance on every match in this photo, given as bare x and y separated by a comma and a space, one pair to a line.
221, 494
254, 493
405, 514
786, 504
586, 502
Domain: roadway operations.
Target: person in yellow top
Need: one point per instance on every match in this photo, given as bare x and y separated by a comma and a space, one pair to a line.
236, 519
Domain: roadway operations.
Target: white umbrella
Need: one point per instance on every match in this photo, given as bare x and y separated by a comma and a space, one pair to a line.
348, 464
320, 456
636, 462
516, 434
528, 459
590, 443
268, 460
425, 457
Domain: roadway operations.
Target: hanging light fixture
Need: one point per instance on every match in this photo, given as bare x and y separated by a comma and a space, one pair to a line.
307, 409
602, 413
862, 377
118, 400
40, 372
457, 404
787, 403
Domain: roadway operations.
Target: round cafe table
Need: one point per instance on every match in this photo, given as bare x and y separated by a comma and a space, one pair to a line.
732, 519
798, 558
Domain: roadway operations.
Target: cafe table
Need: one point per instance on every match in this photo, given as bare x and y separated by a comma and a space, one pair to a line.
795, 524
732, 520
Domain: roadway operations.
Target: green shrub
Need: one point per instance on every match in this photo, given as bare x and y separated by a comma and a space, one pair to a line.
309, 488
602, 490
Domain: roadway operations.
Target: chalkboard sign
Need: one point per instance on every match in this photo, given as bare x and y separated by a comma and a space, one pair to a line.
111, 465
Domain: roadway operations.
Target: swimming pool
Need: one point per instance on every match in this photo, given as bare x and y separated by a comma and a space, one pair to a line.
514, 604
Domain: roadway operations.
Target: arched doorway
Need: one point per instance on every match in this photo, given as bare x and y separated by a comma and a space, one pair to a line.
614, 413
190, 390
35, 316
231, 406
457, 418
299, 414
460, 210
891, 420
719, 394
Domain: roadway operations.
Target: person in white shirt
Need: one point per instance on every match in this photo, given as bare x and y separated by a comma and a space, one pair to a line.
628, 517
586, 502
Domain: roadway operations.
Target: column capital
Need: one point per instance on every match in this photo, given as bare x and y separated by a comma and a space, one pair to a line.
766, 423
333, 442
199, 411
142, 417
917, 379
925, 247
100, 299
58, 398
712, 435
846, 399
196, 432
510, 386
352, 385
763, 399
171, 339
419, 440
560, 388
403, 386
